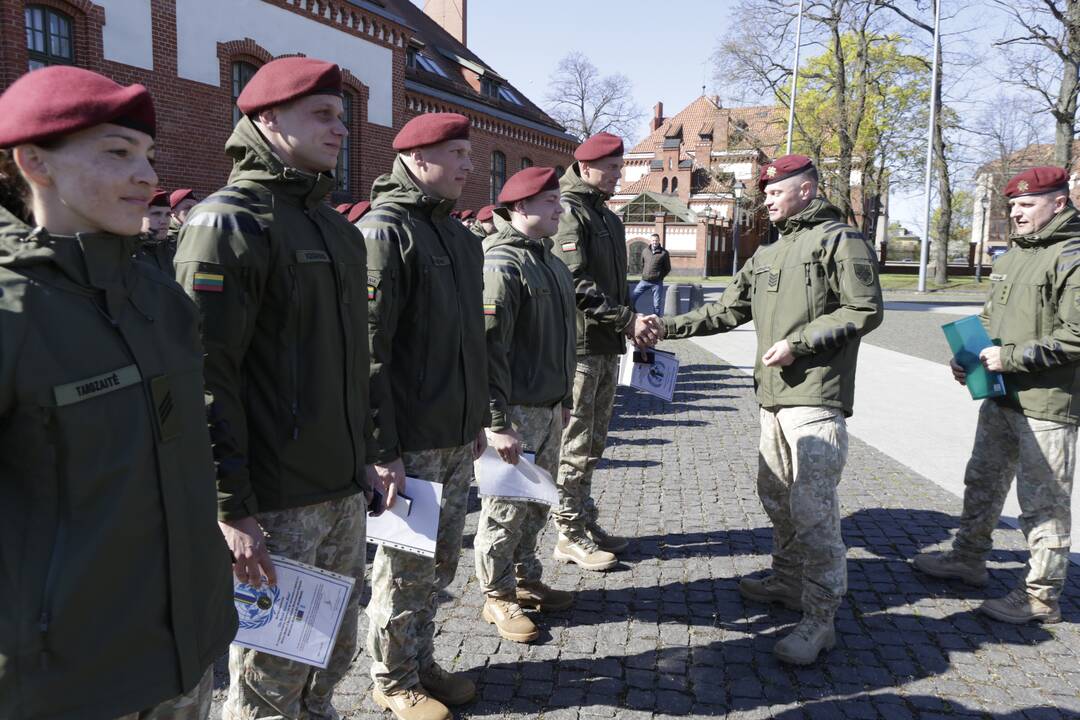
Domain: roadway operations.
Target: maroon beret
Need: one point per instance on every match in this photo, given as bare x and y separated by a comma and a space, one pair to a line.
343, 208
358, 210
287, 79
431, 128
528, 182
466, 214
179, 196
783, 167
1037, 181
599, 146
59, 100
485, 213
160, 198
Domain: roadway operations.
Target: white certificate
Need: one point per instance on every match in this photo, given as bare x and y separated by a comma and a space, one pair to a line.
296, 619
412, 528
656, 377
524, 481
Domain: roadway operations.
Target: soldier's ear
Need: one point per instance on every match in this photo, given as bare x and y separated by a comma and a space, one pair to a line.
31, 161
268, 118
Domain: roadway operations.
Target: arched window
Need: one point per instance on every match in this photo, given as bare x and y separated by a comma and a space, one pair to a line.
48, 37
674, 184
242, 72
663, 185
526, 163
341, 174
498, 174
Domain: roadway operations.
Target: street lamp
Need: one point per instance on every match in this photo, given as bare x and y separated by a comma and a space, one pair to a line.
985, 202
738, 189
708, 213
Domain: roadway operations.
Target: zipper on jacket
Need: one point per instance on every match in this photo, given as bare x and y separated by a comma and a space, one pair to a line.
562, 306
294, 351
425, 284
59, 540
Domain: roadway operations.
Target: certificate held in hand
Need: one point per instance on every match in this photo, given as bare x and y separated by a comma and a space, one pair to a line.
410, 526
967, 338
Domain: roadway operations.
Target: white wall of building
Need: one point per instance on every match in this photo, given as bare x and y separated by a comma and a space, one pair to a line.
633, 173
680, 239
128, 35
200, 27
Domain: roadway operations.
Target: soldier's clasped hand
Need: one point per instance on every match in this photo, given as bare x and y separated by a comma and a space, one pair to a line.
251, 559
507, 443
958, 372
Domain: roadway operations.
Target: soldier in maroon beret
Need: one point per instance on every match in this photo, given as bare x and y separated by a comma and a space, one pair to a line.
275, 272
429, 396
154, 246
592, 242
111, 550
484, 225
813, 295
529, 315
1033, 315
180, 203
358, 210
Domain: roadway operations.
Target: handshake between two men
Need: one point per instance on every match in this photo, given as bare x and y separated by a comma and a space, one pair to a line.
645, 330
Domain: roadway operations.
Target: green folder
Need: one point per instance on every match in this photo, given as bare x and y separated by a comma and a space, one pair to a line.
967, 338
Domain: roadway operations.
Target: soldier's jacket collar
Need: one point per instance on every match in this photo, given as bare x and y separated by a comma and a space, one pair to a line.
506, 234
98, 260
1063, 226
400, 188
254, 160
818, 211
571, 183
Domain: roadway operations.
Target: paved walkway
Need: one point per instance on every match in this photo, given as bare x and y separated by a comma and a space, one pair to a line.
667, 635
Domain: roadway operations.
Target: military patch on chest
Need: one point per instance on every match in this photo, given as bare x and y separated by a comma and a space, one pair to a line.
997, 277
864, 272
92, 387
208, 282
568, 246
774, 280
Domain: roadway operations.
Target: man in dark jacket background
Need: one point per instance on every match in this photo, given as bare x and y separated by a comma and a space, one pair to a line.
655, 266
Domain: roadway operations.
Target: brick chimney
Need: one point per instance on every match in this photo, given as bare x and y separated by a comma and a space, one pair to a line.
658, 116
451, 15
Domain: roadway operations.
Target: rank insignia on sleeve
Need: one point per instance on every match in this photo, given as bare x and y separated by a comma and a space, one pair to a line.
208, 282
489, 308
569, 246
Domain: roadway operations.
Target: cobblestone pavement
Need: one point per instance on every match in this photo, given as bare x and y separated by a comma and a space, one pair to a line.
667, 635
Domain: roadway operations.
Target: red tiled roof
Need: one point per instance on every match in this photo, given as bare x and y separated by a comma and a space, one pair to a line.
760, 127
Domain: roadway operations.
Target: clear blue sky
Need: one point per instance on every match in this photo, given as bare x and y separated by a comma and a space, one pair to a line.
665, 49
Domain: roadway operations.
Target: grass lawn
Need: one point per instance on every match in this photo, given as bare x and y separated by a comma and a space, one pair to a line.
897, 281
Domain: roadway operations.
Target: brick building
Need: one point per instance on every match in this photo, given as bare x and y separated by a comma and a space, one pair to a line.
679, 182
196, 55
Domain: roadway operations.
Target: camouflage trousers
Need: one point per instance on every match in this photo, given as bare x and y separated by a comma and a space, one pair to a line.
508, 530
1041, 454
192, 705
329, 535
801, 457
583, 441
405, 586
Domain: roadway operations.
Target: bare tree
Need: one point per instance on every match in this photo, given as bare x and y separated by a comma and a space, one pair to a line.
1043, 51
586, 103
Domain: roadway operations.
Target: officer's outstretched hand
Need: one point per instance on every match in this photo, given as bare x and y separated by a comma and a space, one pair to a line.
507, 443
645, 330
251, 559
391, 480
958, 372
780, 355
479, 445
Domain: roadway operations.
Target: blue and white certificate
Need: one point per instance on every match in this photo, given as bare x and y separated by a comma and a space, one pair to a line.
298, 618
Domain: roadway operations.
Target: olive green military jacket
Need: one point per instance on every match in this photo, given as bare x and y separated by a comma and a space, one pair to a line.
478, 230
279, 279
529, 314
1034, 312
817, 288
425, 320
592, 242
115, 579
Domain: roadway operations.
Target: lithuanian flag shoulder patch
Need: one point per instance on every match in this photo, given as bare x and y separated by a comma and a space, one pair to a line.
370, 292
208, 282
569, 246
489, 308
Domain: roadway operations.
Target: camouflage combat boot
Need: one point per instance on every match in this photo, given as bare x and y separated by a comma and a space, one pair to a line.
949, 565
411, 704
772, 589
542, 597
802, 645
1020, 607
509, 620
588, 558
447, 687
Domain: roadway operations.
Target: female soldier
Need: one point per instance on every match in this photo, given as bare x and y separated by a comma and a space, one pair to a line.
115, 578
